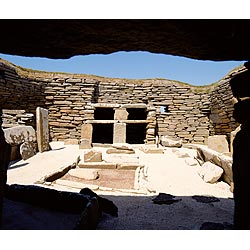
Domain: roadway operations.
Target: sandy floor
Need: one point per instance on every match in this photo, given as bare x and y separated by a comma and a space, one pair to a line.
170, 174
166, 173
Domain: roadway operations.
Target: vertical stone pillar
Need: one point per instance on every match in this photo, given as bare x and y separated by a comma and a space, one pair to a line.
86, 136
42, 126
119, 135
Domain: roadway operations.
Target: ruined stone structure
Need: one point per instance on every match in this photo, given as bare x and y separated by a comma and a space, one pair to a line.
133, 111
200, 39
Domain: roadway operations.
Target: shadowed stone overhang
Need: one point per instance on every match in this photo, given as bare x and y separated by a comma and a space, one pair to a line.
204, 39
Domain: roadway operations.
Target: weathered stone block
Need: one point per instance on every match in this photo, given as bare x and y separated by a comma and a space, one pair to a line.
93, 156
225, 162
170, 142
121, 114
119, 151
119, 135
147, 150
86, 131
42, 125
17, 135
232, 136
126, 146
210, 172
218, 143
191, 162
128, 166
97, 165
85, 144
87, 174
27, 150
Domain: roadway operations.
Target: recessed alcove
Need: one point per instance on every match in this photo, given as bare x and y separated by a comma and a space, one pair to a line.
104, 114
136, 133
102, 133
137, 113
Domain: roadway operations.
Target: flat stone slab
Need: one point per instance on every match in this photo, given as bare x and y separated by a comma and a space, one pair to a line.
34, 169
152, 150
97, 165
121, 158
122, 146
127, 166
87, 174
119, 151
109, 179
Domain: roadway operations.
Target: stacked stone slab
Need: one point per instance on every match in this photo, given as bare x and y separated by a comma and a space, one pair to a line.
20, 95
12, 118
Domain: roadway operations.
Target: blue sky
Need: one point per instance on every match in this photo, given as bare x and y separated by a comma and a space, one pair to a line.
133, 65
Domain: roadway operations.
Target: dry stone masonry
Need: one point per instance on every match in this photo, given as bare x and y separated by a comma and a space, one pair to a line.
92, 109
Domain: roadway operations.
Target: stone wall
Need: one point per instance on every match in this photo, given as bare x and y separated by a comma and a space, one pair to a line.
173, 108
222, 106
20, 95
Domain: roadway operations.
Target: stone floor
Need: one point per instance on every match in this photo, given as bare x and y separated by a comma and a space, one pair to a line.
166, 172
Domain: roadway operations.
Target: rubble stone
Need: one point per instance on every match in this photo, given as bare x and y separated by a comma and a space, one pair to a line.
218, 143
93, 156
210, 172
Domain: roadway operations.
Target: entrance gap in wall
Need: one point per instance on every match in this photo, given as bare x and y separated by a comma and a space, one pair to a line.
102, 133
136, 133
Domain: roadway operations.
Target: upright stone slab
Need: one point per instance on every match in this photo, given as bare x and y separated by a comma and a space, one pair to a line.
121, 114
86, 136
42, 126
119, 133
19, 134
218, 143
